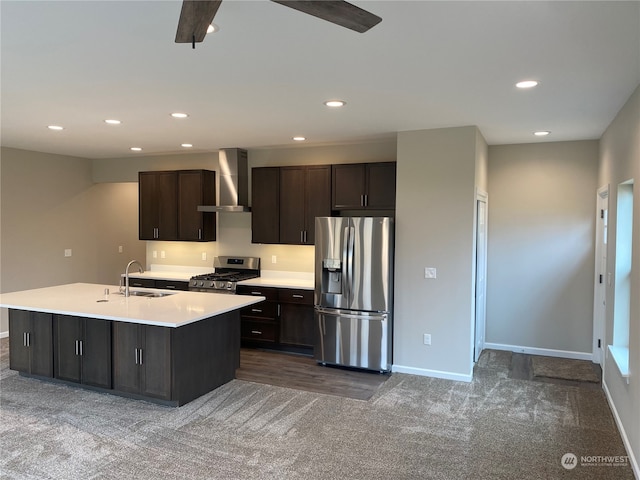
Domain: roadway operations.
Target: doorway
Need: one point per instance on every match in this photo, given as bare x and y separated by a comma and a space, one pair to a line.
482, 202
601, 277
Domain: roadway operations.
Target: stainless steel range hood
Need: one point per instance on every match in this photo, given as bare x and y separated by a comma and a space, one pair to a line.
234, 182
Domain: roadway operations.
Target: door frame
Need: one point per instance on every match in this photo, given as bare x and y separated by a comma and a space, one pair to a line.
480, 321
600, 272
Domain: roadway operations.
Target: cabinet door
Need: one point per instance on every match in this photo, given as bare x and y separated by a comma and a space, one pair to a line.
348, 186
296, 325
19, 323
126, 374
292, 197
67, 337
96, 352
158, 205
265, 205
156, 362
317, 201
41, 344
196, 187
381, 185
148, 210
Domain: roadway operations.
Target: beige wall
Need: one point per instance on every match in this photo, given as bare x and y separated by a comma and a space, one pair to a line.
48, 203
541, 245
435, 211
619, 162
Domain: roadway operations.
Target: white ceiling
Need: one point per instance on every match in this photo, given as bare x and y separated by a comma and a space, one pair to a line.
264, 76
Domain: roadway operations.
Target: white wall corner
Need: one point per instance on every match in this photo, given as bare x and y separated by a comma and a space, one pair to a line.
4, 334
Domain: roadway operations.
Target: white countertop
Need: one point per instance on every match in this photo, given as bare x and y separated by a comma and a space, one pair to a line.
83, 300
278, 279
268, 278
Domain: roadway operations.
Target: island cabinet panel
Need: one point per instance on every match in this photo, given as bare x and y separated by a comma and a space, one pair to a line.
142, 359
31, 340
196, 187
82, 350
364, 186
158, 205
265, 205
296, 317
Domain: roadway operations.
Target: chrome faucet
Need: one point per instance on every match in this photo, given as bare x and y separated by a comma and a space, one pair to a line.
126, 275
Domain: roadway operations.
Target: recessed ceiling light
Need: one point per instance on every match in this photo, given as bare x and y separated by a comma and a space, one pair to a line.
527, 84
113, 121
213, 28
335, 103
136, 149
179, 115
541, 133
186, 145
55, 127
299, 139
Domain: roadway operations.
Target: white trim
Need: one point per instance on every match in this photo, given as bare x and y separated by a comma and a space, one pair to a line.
548, 352
623, 433
620, 357
4, 334
599, 317
425, 372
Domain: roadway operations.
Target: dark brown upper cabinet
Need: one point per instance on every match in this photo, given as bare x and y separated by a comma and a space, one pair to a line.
285, 202
168, 203
364, 186
265, 205
196, 187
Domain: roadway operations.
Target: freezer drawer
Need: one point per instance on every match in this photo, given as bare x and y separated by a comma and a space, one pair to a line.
353, 339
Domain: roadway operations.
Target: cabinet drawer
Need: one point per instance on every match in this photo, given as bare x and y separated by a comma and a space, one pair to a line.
141, 282
262, 310
268, 292
172, 284
256, 330
290, 295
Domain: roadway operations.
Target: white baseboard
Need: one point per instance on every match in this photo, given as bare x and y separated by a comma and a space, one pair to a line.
425, 372
625, 440
548, 352
4, 334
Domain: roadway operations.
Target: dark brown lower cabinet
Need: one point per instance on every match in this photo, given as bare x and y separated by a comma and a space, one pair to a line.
176, 365
296, 317
31, 340
142, 360
82, 350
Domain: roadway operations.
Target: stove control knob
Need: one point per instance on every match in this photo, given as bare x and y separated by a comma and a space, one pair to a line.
200, 283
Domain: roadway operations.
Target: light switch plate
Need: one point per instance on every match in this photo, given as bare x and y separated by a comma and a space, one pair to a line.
67, 252
429, 272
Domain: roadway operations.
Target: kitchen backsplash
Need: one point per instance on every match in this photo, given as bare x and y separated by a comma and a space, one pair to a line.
233, 238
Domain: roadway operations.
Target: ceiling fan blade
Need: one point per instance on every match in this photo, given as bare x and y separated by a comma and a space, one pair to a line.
341, 13
195, 18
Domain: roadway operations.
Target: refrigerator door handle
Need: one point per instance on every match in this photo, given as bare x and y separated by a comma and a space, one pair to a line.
346, 290
350, 246
345, 314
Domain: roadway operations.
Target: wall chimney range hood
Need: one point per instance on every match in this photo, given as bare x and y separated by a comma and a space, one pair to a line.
234, 182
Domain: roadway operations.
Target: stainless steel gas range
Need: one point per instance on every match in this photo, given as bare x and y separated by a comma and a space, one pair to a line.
228, 272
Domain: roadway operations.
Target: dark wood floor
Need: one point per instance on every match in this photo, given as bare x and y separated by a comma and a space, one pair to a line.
521, 369
303, 373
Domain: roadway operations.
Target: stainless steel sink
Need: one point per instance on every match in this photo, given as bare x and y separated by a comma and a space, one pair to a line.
148, 294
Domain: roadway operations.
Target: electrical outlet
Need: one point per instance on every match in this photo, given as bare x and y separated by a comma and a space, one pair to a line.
162, 254
67, 252
426, 339
430, 272
155, 254
204, 255
120, 249
274, 259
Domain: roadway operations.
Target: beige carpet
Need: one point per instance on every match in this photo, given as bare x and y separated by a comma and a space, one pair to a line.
564, 368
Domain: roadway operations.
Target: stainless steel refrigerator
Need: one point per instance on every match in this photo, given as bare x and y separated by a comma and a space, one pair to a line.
354, 291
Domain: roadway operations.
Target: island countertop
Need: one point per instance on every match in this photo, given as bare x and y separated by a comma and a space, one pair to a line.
88, 300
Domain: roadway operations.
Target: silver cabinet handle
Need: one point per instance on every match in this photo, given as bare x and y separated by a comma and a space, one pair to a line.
28, 339
256, 332
24, 339
77, 349
141, 357
301, 236
366, 200
80, 342
304, 237
170, 286
278, 314
136, 356
362, 200
256, 293
295, 295
257, 310
199, 234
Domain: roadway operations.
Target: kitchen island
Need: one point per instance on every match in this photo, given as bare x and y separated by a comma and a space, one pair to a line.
168, 349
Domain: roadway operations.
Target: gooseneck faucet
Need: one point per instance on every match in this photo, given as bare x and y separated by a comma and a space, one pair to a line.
126, 275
